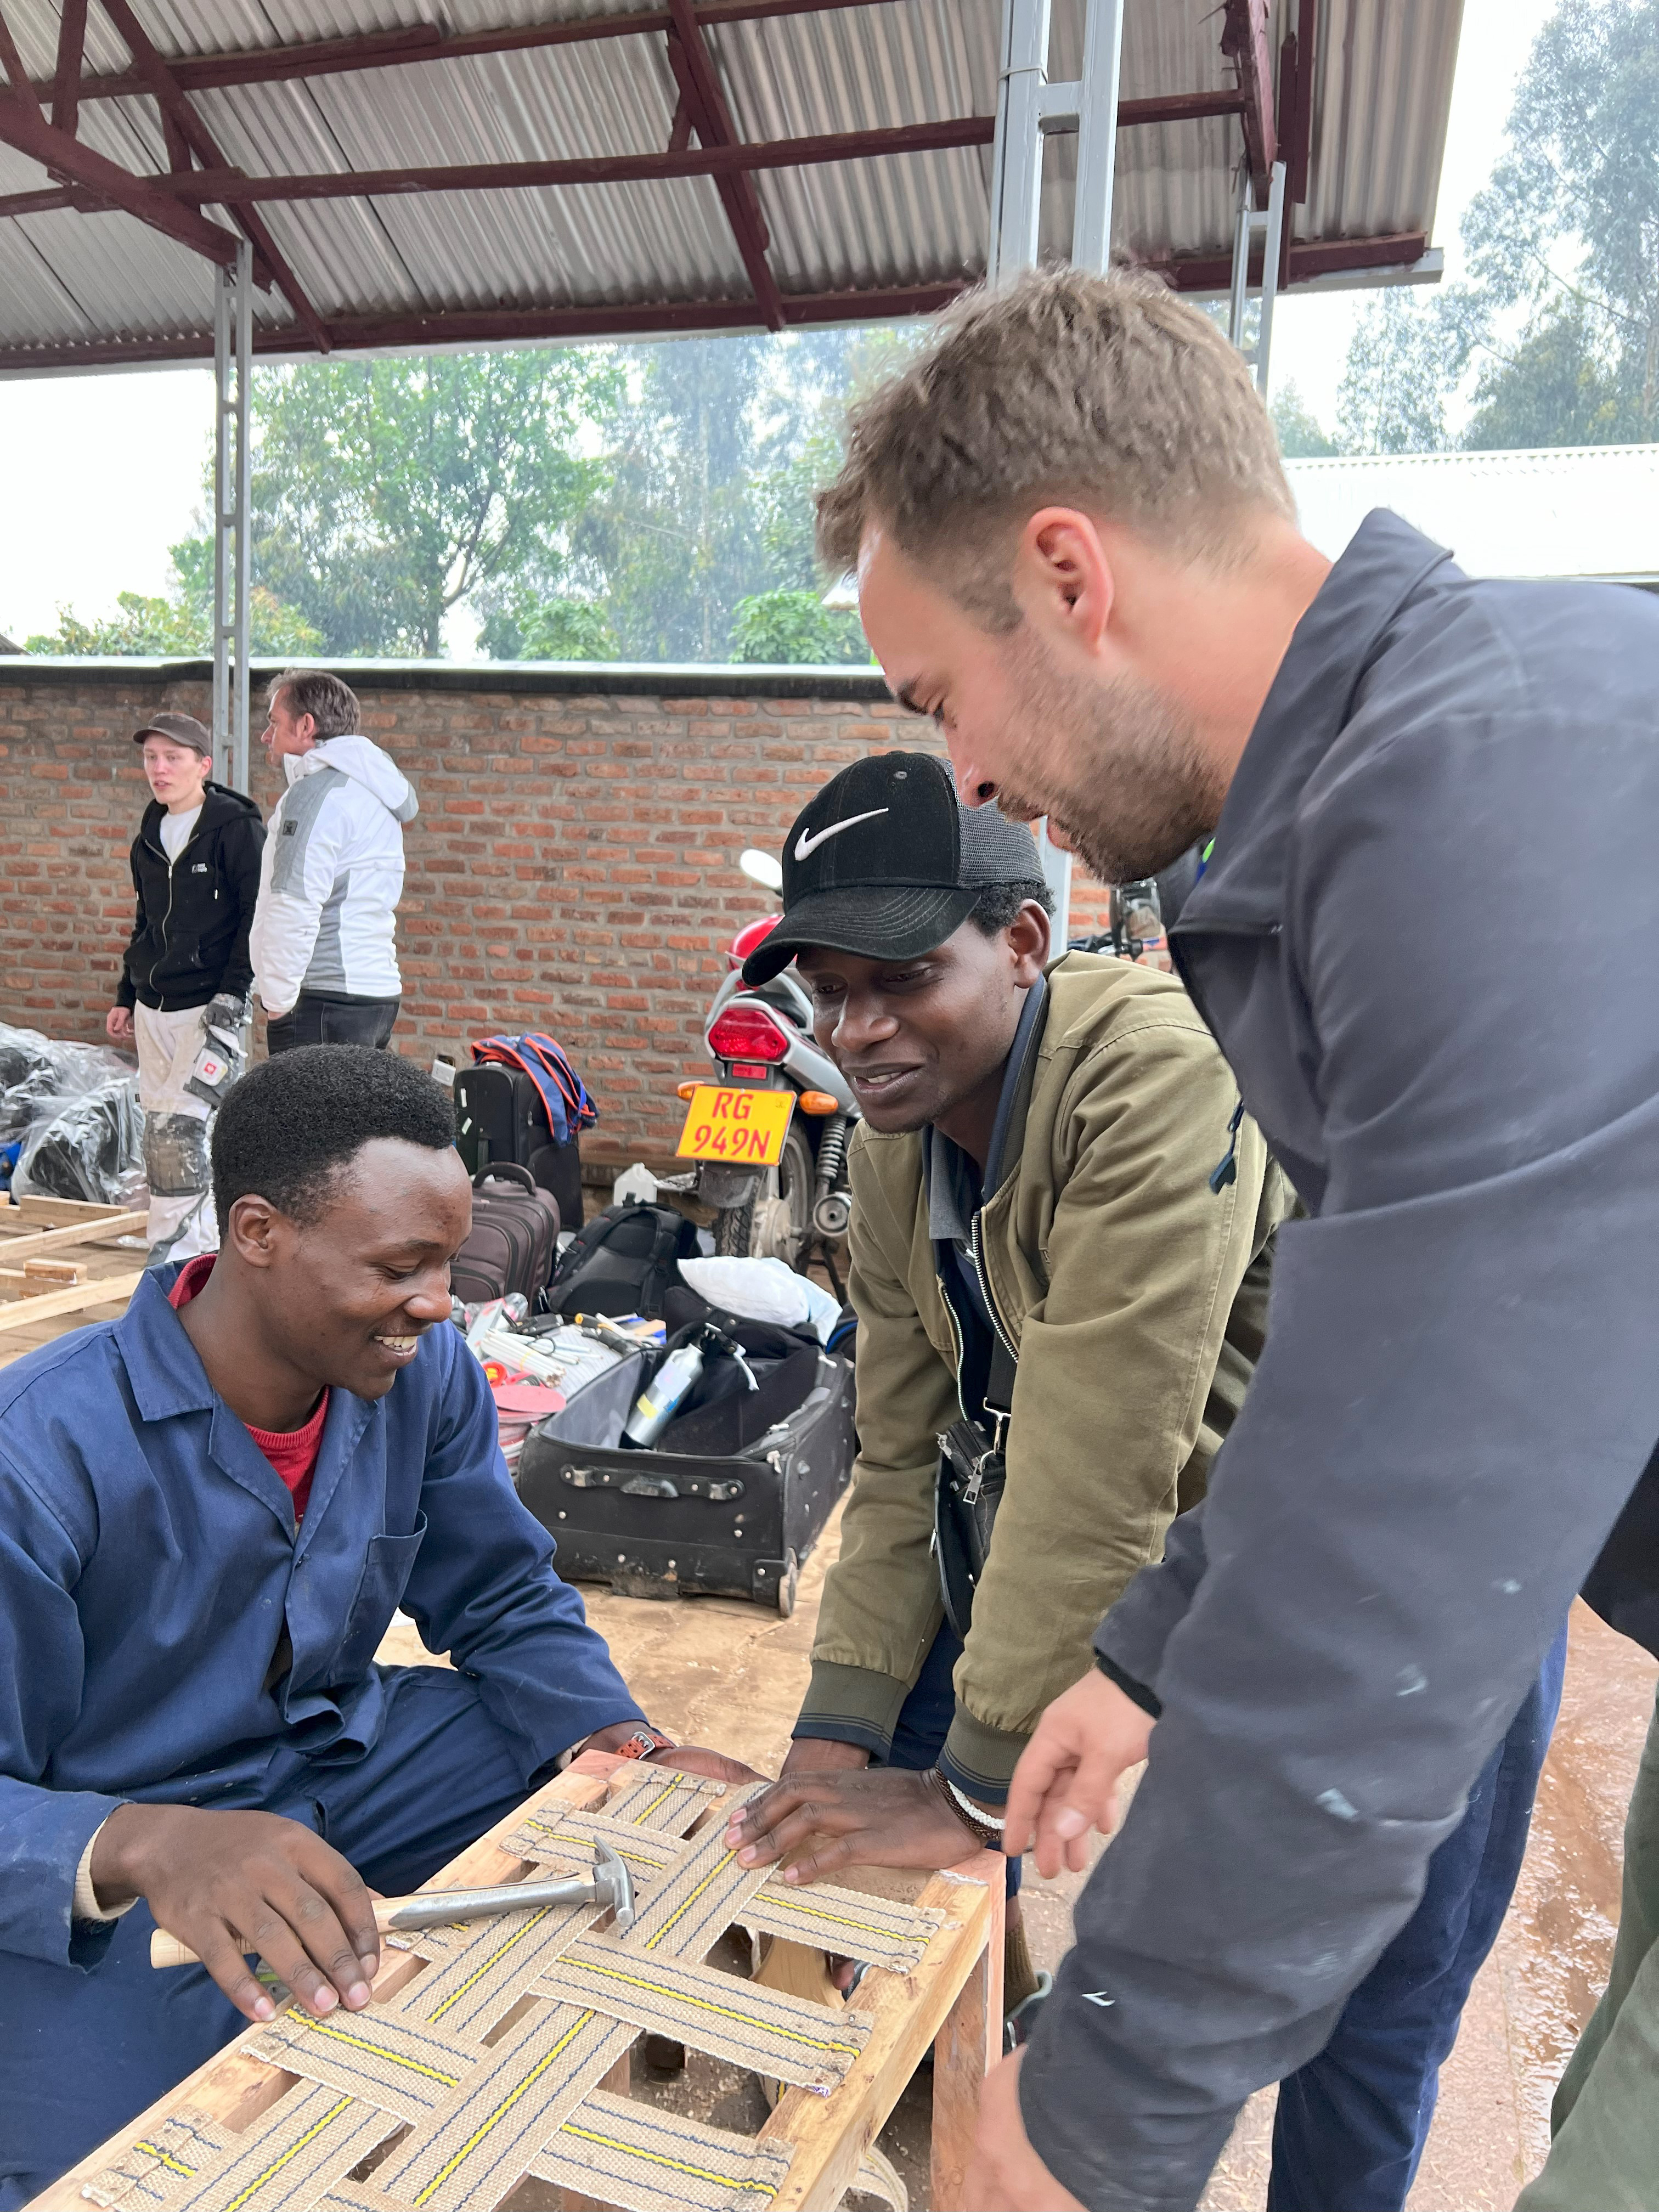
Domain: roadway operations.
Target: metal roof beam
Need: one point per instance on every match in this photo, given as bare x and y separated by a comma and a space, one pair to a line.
424, 42
705, 104
66, 81
232, 189
1309, 258
501, 326
186, 128
1245, 42
23, 125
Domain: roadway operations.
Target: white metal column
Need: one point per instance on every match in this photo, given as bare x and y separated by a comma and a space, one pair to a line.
1030, 108
1250, 224
232, 469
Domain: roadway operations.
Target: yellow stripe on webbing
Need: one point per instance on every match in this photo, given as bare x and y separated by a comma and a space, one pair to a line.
494, 1960
379, 2051
637, 1820
585, 1966
660, 2158
166, 2158
293, 2151
806, 1911
500, 2112
668, 1926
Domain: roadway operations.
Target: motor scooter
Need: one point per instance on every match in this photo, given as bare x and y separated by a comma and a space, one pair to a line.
769, 1134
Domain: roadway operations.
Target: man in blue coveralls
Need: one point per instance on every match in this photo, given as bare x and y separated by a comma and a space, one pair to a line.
210, 1511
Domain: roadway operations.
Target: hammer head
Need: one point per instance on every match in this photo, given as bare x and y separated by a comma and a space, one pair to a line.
610, 1873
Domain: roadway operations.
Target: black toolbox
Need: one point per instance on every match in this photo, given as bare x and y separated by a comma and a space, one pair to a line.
728, 1502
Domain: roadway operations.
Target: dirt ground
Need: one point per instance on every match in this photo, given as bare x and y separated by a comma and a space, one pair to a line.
720, 1673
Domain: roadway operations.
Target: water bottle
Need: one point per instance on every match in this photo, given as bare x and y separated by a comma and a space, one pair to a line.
661, 1397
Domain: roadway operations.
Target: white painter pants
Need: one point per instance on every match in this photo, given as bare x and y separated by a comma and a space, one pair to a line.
181, 1217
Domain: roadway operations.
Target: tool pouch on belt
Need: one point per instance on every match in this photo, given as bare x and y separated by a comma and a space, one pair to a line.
972, 1471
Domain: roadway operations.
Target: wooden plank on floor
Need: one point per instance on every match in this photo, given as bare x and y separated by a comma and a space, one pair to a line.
43, 1212
106, 1225
23, 1313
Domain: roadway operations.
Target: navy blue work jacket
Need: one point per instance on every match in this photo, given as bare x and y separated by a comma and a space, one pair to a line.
149, 1567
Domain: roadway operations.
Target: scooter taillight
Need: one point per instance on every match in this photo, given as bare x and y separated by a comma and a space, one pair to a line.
745, 1030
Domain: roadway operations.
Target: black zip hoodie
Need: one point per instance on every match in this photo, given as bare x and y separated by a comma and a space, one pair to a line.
190, 935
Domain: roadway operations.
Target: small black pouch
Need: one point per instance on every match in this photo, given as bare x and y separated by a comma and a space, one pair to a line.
972, 1471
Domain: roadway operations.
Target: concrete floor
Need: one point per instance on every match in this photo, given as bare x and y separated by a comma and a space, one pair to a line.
732, 1675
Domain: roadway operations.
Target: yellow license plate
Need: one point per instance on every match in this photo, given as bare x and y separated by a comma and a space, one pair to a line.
746, 1128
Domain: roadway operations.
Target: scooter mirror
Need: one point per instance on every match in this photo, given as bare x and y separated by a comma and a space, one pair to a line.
761, 868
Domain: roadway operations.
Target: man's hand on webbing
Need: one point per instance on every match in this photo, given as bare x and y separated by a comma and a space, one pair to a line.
1067, 1780
229, 1883
819, 1820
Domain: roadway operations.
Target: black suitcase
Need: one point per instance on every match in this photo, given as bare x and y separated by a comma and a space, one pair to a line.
499, 1115
728, 1503
514, 1239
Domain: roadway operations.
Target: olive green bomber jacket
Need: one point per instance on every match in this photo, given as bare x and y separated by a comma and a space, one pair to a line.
1135, 1299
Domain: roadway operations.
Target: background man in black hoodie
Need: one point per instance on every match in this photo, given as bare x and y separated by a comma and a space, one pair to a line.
195, 871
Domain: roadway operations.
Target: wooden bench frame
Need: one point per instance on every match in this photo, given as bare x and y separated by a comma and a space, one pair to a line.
952, 2002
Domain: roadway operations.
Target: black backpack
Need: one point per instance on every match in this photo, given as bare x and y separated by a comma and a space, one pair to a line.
623, 1262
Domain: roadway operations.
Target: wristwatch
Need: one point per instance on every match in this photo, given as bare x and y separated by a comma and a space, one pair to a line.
642, 1743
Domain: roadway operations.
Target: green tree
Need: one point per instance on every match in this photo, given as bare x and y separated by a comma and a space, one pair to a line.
790, 627
1301, 437
386, 491
1408, 353
1566, 234
179, 625
1556, 387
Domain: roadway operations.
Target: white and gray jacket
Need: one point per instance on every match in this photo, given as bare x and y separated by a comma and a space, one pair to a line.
331, 875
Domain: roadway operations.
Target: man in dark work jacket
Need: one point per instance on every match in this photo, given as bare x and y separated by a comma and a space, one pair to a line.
1425, 942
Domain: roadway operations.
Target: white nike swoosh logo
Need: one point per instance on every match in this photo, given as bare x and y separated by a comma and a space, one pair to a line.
806, 845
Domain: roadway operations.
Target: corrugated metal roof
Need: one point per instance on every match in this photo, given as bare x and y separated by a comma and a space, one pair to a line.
1574, 511
663, 253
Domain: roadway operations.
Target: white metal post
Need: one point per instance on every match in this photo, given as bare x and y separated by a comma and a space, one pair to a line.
1241, 284
1274, 238
1016, 151
1250, 223
1096, 140
233, 470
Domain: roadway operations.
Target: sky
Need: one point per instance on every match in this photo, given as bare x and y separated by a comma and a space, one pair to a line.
105, 472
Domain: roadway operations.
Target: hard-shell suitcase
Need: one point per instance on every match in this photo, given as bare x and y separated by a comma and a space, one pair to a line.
512, 1240
729, 1501
501, 1115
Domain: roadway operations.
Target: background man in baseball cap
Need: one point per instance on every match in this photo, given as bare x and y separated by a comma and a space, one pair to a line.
1042, 1273
196, 873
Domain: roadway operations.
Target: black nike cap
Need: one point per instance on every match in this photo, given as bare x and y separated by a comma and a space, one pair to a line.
887, 862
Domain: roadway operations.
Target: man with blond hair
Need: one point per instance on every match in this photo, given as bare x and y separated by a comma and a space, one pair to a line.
1076, 552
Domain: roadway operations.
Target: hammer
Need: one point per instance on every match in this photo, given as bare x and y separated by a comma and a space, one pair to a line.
437, 1908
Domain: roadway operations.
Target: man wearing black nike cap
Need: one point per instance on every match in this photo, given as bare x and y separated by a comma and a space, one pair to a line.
1043, 1276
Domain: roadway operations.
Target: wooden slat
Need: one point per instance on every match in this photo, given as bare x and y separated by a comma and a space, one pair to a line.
61, 1209
23, 1313
106, 1225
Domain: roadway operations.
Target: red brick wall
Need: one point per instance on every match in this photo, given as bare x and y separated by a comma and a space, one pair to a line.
572, 868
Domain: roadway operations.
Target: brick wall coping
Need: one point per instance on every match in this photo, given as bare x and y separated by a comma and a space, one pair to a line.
583, 679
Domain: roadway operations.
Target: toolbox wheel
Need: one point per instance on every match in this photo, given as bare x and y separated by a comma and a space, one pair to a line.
788, 1583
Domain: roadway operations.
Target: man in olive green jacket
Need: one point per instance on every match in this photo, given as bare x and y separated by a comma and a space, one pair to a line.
1051, 1155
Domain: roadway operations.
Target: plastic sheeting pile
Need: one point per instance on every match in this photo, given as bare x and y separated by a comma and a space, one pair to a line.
70, 1125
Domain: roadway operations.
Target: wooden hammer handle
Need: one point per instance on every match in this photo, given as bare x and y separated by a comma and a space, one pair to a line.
166, 1950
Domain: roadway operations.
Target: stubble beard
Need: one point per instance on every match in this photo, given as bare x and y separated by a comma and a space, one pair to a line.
1116, 765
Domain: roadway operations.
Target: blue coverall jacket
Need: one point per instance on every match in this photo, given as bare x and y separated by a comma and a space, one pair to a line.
164, 1633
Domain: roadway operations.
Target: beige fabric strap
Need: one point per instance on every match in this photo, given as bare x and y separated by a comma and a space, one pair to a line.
397, 2064
737, 2021
881, 1930
312, 2138
626, 2154
161, 2167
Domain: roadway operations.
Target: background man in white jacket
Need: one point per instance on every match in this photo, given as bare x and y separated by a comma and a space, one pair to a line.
324, 939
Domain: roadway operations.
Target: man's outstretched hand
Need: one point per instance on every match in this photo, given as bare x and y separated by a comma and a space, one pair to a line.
228, 1883
1006, 2174
815, 1820
695, 1758
1067, 1780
